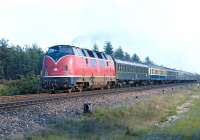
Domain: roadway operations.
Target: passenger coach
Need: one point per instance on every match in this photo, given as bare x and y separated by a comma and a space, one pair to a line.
131, 73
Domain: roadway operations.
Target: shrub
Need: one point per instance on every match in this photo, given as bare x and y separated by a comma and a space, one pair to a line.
3, 89
25, 85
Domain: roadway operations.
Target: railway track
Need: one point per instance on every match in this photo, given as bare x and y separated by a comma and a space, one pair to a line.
15, 102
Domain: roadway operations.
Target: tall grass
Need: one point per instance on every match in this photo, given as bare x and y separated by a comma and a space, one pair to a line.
140, 118
123, 122
189, 127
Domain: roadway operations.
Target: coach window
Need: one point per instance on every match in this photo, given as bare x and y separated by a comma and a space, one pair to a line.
139, 69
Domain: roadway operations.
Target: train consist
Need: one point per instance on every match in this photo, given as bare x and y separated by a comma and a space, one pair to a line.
72, 68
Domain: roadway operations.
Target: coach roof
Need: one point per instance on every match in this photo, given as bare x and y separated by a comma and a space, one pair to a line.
130, 63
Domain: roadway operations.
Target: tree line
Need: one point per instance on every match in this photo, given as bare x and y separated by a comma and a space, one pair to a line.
120, 54
17, 61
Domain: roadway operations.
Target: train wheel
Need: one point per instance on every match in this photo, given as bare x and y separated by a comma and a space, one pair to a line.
80, 89
52, 91
108, 86
70, 90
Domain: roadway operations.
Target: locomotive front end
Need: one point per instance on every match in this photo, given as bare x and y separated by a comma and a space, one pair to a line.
57, 68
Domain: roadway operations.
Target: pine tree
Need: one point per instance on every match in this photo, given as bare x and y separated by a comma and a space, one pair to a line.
135, 58
127, 57
119, 53
3, 58
95, 47
108, 49
148, 61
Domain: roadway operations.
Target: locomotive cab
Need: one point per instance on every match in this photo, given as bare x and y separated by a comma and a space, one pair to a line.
56, 52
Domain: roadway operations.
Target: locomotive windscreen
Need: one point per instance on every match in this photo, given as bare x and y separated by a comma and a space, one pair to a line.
56, 52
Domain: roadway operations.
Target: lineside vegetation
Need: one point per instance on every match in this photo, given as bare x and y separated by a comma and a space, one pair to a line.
21, 64
131, 122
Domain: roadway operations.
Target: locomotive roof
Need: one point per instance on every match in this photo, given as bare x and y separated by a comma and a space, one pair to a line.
130, 63
62, 46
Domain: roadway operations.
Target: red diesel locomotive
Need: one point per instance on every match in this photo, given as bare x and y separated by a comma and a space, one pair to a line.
70, 67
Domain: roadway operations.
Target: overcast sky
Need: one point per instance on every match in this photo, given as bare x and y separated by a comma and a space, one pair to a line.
168, 31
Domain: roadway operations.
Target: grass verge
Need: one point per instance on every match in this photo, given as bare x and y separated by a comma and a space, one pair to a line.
189, 127
127, 122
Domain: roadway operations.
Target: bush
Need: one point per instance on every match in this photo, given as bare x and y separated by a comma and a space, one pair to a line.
25, 85
3, 89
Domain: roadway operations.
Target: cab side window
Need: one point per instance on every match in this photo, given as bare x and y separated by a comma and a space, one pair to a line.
99, 55
83, 52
